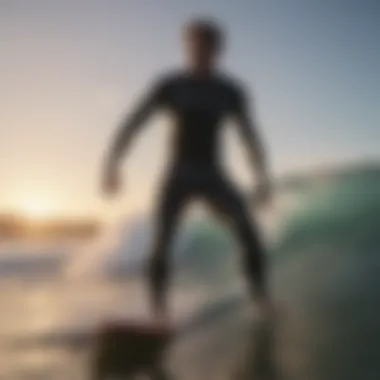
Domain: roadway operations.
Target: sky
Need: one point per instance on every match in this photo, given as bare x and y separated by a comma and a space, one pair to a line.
69, 71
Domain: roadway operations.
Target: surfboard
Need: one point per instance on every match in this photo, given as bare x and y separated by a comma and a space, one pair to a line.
130, 347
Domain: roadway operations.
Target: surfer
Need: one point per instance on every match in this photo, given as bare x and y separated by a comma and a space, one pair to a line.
199, 98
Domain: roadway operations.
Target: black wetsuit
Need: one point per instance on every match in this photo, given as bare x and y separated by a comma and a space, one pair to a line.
198, 107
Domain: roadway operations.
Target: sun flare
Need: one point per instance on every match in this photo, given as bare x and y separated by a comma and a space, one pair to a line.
37, 208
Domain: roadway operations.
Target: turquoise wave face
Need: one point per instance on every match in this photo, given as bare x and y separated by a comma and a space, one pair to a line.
327, 275
342, 213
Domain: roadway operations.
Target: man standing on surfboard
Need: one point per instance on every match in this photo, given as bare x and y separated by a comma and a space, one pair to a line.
199, 98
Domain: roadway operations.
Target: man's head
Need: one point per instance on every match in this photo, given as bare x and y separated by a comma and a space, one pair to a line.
204, 42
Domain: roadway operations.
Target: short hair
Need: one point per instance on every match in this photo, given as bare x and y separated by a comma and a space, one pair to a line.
208, 29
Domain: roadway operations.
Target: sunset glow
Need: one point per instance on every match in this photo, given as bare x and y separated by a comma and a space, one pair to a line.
37, 208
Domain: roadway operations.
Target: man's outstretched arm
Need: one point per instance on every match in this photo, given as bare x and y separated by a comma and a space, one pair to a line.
130, 126
248, 130
133, 123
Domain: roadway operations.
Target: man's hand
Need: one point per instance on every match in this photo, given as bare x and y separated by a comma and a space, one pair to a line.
111, 180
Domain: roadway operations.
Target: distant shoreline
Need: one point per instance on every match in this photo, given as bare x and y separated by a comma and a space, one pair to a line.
15, 227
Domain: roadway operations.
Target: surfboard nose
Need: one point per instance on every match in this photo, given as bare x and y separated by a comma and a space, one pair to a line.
129, 348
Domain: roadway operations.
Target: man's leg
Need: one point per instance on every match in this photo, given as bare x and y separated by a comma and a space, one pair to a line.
169, 210
228, 203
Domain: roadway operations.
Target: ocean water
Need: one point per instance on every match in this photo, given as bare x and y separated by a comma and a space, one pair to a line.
324, 248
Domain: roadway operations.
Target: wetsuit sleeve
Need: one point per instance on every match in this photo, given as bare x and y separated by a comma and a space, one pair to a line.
153, 99
241, 105
156, 96
243, 113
